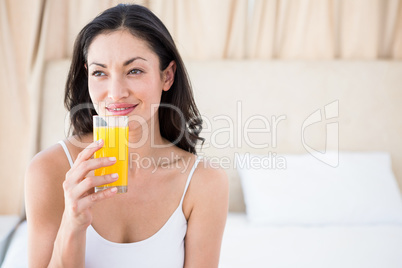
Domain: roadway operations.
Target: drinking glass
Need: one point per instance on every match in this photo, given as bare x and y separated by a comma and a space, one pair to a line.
114, 132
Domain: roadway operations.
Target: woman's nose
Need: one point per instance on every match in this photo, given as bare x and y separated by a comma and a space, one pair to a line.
118, 89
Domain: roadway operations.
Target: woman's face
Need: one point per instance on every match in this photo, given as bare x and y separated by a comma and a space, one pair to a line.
124, 76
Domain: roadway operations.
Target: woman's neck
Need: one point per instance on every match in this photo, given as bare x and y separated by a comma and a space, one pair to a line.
145, 141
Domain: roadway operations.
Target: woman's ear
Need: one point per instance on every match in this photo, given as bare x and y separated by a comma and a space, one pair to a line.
168, 76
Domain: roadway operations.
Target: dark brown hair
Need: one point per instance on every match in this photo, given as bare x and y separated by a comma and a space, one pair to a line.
179, 119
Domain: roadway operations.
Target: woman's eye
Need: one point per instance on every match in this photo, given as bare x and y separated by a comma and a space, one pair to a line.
98, 73
135, 71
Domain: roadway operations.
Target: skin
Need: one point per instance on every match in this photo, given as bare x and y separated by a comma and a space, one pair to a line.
60, 201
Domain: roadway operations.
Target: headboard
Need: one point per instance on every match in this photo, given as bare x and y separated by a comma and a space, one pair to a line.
277, 107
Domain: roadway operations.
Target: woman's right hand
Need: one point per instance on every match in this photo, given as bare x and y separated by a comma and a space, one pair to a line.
79, 183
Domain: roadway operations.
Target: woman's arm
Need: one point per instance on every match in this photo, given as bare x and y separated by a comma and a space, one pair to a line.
210, 194
58, 206
44, 203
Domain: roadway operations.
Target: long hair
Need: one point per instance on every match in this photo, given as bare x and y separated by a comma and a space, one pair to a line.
179, 119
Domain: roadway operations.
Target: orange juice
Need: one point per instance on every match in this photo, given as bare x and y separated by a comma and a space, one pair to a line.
115, 144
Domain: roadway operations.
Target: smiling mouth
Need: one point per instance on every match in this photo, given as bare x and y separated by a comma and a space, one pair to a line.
120, 109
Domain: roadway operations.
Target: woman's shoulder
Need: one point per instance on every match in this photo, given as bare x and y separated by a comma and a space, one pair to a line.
210, 174
48, 165
209, 180
208, 197
44, 179
48, 157
52, 162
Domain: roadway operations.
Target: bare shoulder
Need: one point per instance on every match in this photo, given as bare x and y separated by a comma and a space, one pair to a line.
209, 182
51, 162
210, 173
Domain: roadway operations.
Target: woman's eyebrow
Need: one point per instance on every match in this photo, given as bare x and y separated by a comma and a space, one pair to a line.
100, 64
133, 59
127, 62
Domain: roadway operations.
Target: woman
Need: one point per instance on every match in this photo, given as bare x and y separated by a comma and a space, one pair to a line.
173, 215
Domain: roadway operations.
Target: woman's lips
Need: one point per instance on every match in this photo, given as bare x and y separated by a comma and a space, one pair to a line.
120, 108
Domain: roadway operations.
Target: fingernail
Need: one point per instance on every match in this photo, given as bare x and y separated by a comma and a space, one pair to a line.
112, 159
115, 175
98, 142
113, 190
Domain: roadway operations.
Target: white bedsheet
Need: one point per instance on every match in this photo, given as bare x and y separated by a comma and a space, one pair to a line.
246, 245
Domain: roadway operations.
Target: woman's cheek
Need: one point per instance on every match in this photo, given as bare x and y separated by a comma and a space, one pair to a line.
97, 98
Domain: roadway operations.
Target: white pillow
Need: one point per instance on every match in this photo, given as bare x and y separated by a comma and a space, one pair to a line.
361, 190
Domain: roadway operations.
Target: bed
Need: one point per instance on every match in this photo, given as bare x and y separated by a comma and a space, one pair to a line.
313, 215
368, 246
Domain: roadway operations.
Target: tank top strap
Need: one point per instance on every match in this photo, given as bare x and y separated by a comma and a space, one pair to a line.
189, 177
70, 160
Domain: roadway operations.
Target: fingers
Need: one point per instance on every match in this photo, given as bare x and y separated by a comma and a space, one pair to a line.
91, 182
89, 151
80, 171
89, 200
84, 162
81, 206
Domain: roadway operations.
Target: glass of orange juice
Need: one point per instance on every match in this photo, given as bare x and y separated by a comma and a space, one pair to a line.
114, 132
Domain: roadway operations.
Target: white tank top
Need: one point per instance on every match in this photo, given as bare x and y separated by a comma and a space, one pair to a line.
164, 249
